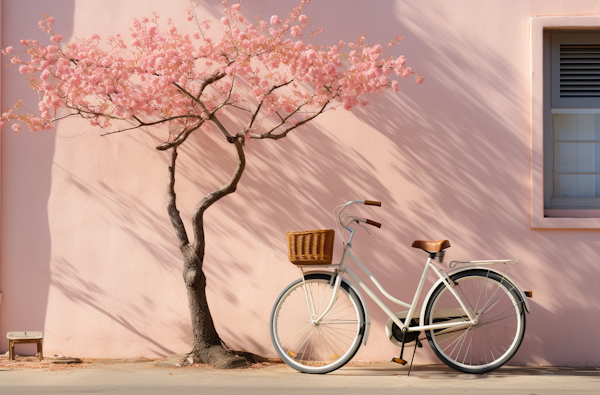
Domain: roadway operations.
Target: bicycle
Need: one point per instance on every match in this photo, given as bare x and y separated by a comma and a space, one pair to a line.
473, 316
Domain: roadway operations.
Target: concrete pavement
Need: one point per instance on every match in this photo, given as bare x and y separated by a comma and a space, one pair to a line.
120, 377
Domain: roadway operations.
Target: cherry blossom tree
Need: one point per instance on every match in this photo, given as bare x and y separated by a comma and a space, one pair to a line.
266, 73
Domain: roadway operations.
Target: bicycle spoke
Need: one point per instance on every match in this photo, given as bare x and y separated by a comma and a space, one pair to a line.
298, 335
314, 347
512, 307
496, 336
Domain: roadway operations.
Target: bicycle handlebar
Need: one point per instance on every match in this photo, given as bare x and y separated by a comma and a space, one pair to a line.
369, 222
345, 221
365, 202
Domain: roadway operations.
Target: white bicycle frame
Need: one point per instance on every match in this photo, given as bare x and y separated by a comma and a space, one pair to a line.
343, 268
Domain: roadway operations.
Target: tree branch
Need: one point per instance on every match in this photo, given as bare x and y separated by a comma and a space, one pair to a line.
240, 108
270, 135
142, 123
222, 128
213, 197
228, 96
213, 78
174, 215
263, 100
283, 120
181, 137
197, 100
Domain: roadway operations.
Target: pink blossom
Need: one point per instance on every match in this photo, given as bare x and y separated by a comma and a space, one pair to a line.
146, 81
296, 31
16, 127
190, 14
56, 38
7, 50
401, 61
152, 30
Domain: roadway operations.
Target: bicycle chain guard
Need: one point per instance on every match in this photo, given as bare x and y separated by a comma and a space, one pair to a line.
409, 336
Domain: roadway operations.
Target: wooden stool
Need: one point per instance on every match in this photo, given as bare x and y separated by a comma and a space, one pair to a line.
24, 337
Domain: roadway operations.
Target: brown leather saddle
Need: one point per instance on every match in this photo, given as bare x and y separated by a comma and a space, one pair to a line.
431, 246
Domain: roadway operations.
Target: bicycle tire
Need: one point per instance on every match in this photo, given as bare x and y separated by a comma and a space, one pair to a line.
496, 338
317, 348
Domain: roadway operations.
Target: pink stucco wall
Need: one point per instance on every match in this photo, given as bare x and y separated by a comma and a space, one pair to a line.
89, 257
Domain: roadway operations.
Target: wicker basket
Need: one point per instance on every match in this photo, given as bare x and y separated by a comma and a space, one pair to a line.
311, 247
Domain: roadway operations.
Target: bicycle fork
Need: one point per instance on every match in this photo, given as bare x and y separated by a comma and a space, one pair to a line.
313, 309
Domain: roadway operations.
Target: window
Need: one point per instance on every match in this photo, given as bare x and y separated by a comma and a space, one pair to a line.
572, 135
565, 122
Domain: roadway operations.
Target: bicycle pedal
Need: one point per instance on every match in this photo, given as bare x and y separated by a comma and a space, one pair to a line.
399, 360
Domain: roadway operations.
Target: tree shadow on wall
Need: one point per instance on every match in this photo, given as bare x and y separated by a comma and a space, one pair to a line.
294, 183
460, 168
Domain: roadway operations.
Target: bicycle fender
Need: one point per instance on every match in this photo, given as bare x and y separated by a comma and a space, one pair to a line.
360, 296
463, 269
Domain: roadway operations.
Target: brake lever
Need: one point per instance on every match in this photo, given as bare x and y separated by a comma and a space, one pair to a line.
364, 227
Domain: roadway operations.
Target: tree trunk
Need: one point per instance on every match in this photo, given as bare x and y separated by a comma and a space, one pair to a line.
208, 346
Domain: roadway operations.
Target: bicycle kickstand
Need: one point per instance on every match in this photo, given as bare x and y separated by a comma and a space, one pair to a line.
417, 345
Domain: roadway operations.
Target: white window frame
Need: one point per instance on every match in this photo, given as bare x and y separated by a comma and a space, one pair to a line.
540, 102
555, 104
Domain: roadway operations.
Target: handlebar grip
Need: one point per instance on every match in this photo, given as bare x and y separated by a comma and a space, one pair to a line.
377, 224
372, 203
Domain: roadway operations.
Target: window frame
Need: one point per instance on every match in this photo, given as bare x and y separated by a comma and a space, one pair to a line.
540, 104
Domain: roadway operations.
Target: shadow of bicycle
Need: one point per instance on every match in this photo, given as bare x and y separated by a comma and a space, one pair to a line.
445, 372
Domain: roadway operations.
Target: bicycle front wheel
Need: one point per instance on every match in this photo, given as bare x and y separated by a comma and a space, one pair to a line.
316, 347
498, 309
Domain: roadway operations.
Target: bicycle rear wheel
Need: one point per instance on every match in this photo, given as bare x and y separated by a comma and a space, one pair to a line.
498, 308
316, 348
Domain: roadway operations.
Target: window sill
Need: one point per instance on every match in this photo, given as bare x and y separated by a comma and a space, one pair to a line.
567, 219
570, 213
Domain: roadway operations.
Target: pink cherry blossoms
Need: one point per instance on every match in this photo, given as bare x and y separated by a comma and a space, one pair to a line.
271, 72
